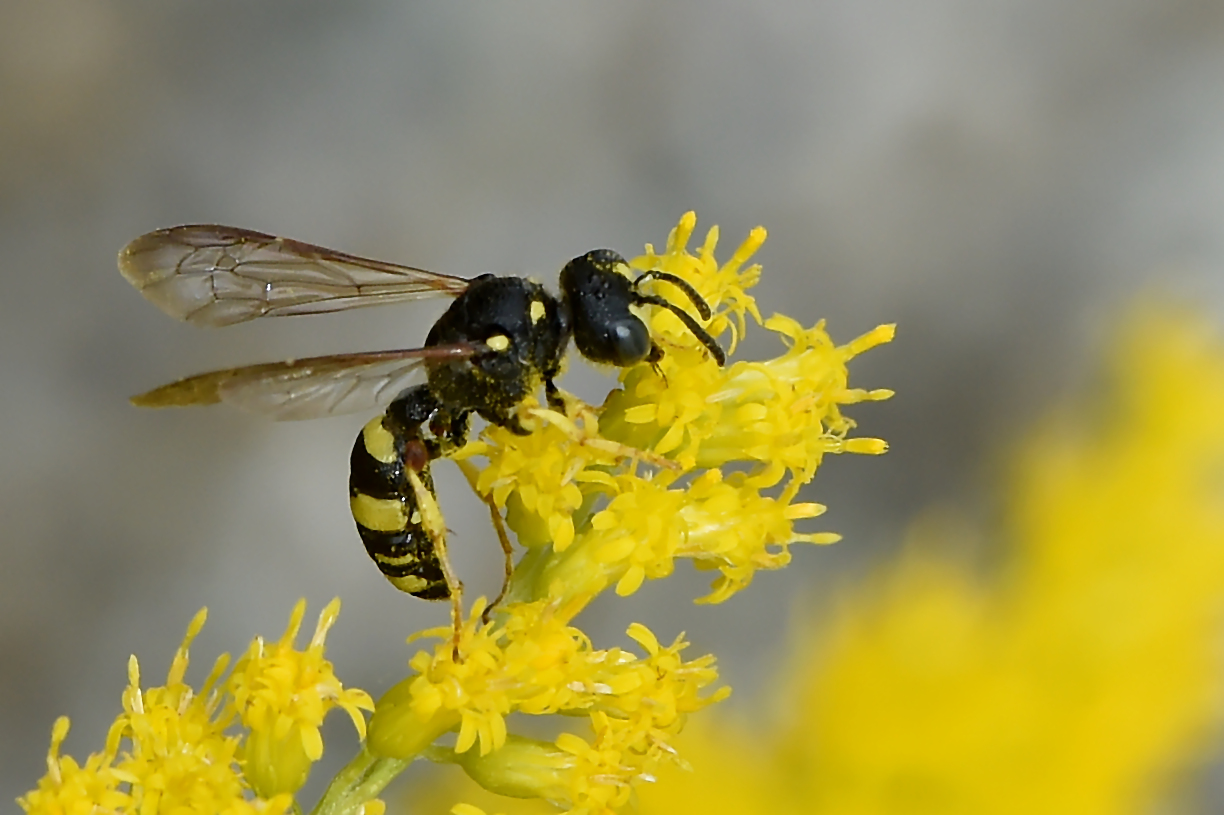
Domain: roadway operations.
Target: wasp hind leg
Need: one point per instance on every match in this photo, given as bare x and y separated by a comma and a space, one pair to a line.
391, 495
429, 518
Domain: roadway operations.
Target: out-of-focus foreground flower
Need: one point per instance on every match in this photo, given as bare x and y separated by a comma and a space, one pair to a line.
174, 750
601, 498
1083, 677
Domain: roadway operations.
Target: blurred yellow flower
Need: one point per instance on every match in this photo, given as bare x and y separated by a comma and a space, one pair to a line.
71, 789
172, 750
1084, 678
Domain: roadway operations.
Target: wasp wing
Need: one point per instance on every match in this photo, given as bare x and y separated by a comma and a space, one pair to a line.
219, 275
309, 388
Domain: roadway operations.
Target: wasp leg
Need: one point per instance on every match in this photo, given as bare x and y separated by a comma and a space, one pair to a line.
507, 550
435, 527
653, 359
554, 396
392, 497
450, 430
583, 436
472, 475
562, 401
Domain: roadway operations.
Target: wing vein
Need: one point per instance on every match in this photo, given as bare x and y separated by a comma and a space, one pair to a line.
217, 275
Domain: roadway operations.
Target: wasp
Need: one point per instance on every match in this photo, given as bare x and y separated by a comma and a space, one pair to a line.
499, 341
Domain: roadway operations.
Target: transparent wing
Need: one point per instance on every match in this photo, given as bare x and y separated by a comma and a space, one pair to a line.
219, 275
308, 388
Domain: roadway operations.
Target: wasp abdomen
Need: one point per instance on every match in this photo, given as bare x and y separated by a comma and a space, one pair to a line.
394, 515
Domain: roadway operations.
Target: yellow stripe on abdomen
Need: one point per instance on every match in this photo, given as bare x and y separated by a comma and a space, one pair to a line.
379, 514
411, 583
378, 441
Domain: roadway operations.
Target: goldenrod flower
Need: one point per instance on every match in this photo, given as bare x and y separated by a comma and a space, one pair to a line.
173, 749
599, 497
466, 809
538, 478
723, 287
783, 414
178, 754
281, 695
70, 789
723, 524
533, 661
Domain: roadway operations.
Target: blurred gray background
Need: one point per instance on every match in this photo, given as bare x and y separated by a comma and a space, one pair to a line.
997, 178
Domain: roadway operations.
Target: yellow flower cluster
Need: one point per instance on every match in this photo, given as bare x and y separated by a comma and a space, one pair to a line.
599, 497
281, 696
1083, 679
172, 749
534, 662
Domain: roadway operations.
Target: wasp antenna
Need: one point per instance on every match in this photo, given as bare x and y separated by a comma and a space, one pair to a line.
700, 333
699, 303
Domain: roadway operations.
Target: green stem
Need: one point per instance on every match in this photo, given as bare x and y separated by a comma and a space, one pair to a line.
526, 571
440, 755
359, 782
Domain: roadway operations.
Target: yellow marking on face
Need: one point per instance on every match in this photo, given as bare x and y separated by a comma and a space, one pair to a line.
379, 514
409, 583
427, 508
537, 311
498, 342
378, 441
416, 517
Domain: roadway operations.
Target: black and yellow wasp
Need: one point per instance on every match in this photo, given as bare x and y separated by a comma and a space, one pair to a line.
498, 342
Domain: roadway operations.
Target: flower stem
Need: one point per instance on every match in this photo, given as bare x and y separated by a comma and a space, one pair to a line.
359, 782
526, 574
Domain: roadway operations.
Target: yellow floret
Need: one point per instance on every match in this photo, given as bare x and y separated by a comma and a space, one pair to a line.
282, 696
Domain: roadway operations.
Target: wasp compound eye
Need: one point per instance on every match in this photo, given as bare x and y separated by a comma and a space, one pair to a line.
627, 342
